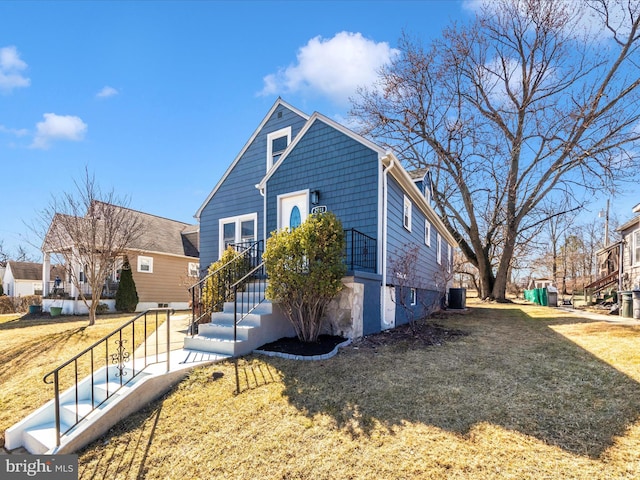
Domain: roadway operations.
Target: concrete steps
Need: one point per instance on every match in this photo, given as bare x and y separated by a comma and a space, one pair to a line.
264, 324
37, 432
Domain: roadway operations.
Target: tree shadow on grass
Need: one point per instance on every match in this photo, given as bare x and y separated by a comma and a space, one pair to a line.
512, 370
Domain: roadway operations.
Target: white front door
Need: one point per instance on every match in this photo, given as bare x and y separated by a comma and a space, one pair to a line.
293, 209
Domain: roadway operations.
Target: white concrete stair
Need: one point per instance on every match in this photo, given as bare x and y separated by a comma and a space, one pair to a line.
264, 324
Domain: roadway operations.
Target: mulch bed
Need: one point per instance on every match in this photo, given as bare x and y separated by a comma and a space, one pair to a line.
424, 334
293, 346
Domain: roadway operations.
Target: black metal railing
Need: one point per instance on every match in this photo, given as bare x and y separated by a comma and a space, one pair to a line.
210, 293
248, 293
361, 251
116, 352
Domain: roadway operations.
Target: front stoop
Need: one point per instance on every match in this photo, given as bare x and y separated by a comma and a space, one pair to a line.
36, 433
265, 324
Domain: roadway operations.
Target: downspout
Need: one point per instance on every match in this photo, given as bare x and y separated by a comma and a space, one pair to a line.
385, 209
263, 192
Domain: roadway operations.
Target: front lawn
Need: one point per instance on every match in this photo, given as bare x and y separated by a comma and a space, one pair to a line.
31, 346
528, 393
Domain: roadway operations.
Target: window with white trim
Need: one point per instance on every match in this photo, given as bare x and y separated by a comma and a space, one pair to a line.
439, 251
414, 296
406, 213
145, 264
277, 142
449, 259
427, 233
240, 229
636, 247
194, 269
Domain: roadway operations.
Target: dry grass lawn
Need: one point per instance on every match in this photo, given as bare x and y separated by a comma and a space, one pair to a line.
525, 395
30, 347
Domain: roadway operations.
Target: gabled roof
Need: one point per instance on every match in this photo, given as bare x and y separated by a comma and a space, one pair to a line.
161, 235
278, 102
318, 117
634, 222
32, 270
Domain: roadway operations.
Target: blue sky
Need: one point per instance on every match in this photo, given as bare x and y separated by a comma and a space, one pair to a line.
157, 98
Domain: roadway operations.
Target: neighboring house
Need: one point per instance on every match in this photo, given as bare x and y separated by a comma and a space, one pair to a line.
164, 262
619, 263
25, 278
630, 273
295, 164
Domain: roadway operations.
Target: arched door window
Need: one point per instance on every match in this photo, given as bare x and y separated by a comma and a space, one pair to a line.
294, 218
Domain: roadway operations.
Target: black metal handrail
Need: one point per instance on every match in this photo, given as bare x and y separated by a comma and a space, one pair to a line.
361, 251
122, 361
210, 293
248, 293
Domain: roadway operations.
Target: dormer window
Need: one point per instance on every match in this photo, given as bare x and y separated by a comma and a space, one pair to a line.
277, 142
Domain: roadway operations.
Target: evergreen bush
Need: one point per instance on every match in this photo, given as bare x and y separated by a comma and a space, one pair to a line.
126, 296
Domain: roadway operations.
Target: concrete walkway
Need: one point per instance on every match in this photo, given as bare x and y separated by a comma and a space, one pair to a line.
179, 358
601, 317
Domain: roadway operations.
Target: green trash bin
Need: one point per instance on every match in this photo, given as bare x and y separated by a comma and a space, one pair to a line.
626, 306
543, 297
636, 304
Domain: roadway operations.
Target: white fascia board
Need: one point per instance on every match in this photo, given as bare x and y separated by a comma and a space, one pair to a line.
318, 117
414, 193
278, 103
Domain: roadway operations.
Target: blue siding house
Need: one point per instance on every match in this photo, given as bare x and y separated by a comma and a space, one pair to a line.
295, 164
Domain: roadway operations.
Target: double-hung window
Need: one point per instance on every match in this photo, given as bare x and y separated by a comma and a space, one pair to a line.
636, 247
277, 142
427, 233
406, 213
439, 251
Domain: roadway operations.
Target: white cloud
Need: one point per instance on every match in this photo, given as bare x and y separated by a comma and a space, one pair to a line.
11, 67
333, 67
58, 127
14, 131
106, 92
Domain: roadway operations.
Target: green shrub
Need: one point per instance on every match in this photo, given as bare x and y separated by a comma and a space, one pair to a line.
230, 268
102, 308
18, 304
126, 295
305, 268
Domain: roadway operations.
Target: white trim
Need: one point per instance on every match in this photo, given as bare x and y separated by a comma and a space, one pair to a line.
439, 247
406, 213
449, 258
635, 237
319, 117
278, 102
148, 260
384, 314
410, 189
237, 219
413, 299
283, 132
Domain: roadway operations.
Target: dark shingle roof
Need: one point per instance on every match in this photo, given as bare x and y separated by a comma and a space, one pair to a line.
32, 270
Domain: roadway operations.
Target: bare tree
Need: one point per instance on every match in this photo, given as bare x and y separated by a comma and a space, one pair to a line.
515, 107
87, 231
